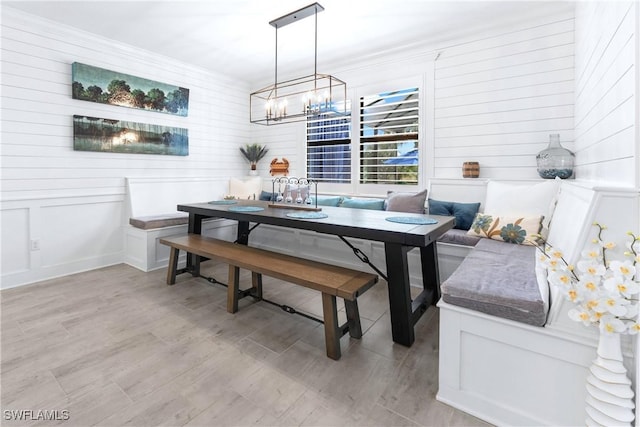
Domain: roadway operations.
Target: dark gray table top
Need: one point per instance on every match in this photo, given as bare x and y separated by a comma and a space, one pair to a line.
348, 222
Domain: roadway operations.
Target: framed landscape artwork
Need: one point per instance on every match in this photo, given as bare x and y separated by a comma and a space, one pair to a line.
109, 87
118, 136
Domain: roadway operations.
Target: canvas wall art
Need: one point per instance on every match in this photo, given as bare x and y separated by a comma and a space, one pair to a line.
118, 136
110, 87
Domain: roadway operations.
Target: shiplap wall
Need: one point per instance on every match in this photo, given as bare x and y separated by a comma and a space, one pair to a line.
493, 98
70, 204
606, 114
498, 97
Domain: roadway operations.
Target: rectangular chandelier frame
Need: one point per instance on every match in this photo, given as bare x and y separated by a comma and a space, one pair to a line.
296, 99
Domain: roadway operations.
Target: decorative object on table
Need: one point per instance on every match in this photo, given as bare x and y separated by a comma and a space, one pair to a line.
253, 153
411, 220
279, 168
296, 99
555, 160
110, 87
307, 215
470, 170
294, 193
118, 136
246, 208
605, 292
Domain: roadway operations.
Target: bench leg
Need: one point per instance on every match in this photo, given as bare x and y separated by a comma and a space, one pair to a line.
256, 284
331, 333
353, 318
172, 268
232, 289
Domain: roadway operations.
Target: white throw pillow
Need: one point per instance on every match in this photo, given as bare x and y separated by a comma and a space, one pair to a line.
509, 199
248, 188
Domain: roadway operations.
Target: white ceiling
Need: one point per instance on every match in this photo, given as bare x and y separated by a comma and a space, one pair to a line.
234, 36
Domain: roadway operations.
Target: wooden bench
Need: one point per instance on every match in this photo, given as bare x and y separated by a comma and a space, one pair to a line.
333, 281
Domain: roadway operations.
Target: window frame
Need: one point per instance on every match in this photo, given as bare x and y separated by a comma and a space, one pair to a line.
355, 188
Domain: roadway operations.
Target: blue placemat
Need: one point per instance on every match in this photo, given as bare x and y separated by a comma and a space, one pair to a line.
411, 220
245, 209
223, 202
307, 215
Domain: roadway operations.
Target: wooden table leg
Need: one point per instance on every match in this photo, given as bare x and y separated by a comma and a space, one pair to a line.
430, 273
194, 227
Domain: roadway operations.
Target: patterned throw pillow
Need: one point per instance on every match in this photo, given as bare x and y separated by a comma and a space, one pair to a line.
507, 229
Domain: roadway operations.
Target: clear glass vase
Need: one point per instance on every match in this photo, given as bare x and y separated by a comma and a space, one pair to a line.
555, 160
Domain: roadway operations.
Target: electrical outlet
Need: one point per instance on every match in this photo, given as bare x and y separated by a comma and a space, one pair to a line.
35, 245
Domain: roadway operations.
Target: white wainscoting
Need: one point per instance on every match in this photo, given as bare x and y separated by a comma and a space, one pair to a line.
46, 238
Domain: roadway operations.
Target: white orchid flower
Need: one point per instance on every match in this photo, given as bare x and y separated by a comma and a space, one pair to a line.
623, 268
611, 325
622, 286
633, 328
560, 278
591, 268
614, 305
580, 315
593, 252
589, 285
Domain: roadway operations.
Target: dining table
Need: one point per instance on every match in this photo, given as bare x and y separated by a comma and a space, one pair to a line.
399, 232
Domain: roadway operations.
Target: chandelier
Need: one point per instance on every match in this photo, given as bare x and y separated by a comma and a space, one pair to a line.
317, 95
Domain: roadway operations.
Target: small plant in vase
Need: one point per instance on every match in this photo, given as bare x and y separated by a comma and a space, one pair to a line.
253, 153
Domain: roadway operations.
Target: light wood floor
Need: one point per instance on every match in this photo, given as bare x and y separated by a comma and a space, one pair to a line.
116, 346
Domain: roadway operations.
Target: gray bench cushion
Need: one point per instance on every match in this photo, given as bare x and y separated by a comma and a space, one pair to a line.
159, 221
459, 237
498, 278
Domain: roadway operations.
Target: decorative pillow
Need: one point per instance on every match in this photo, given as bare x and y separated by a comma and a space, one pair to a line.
327, 200
373, 204
464, 212
267, 196
406, 202
249, 188
507, 229
523, 200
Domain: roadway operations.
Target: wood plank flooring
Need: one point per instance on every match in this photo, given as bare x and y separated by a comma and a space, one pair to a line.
116, 346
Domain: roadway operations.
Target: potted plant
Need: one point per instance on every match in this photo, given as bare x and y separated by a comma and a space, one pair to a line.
253, 153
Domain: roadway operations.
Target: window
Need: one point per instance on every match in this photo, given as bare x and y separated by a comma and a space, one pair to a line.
389, 137
329, 146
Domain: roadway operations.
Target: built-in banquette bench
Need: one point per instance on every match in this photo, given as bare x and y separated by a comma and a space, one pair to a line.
508, 352
151, 214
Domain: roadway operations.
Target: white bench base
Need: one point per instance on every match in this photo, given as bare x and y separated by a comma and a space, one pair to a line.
144, 251
510, 373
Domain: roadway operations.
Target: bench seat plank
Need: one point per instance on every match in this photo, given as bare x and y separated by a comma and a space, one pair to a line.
326, 278
333, 281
